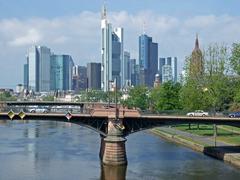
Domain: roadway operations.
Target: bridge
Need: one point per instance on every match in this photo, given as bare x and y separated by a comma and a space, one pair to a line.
113, 124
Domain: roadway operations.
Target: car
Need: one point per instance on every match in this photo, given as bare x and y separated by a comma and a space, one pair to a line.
38, 110
234, 114
198, 113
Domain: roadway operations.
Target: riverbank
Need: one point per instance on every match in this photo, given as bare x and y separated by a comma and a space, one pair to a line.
223, 151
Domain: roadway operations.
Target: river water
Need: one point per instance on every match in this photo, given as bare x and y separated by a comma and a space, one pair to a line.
38, 150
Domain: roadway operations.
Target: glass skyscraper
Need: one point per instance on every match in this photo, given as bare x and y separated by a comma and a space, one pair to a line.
39, 68
61, 72
111, 52
94, 75
148, 60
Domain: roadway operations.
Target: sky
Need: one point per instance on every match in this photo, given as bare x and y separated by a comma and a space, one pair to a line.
73, 27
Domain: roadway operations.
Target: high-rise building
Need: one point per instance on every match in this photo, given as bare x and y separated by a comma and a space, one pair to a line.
148, 60
168, 69
79, 78
126, 81
39, 68
106, 70
25, 75
133, 72
111, 52
117, 55
61, 72
94, 75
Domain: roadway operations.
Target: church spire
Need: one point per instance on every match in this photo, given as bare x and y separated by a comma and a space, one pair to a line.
196, 42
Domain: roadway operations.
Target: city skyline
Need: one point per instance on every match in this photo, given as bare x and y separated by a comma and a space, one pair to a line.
77, 32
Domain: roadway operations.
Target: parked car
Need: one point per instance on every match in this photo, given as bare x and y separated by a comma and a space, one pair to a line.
234, 114
38, 110
198, 113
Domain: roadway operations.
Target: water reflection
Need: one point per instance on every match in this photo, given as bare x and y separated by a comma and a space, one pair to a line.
113, 172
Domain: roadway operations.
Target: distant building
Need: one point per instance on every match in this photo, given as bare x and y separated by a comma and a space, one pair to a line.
94, 75
126, 80
196, 62
111, 52
148, 60
79, 78
25, 75
61, 72
117, 55
19, 88
168, 69
133, 72
38, 58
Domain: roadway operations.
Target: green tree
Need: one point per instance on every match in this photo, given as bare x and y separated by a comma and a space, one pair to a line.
166, 96
48, 98
138, 98
6, 96
235, 57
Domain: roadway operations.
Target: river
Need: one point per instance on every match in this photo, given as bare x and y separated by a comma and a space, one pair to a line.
38, 150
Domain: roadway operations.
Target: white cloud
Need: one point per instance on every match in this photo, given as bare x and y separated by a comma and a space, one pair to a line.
79, 35
31, 37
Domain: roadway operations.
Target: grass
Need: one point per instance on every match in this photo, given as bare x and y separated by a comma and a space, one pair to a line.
227, 134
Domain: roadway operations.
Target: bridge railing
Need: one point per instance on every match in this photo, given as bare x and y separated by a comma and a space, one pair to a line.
48, 109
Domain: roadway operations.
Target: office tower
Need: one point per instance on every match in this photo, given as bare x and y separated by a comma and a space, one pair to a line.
39, 68
196, 62
25, 75
94, 75
148, 60
133, 72
168, 69
111, 52
61, 72
79, 78
106, 70
117, 55
126, 70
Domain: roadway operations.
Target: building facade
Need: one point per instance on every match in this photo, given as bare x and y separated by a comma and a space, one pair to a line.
148, 60
38, 58
94, 76
61, 72
79, 78
168, 69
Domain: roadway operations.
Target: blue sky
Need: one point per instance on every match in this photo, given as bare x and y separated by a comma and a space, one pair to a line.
55, 8
73, 27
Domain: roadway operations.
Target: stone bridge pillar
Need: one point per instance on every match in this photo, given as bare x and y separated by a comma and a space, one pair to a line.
114, 144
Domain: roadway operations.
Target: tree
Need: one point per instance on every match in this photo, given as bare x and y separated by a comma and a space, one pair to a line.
235, 57
6, 96
166, 96
138, 98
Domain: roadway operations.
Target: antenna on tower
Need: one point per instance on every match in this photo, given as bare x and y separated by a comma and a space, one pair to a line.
104, 10
144, 27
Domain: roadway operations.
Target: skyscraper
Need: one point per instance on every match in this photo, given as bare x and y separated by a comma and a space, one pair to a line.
94, 75
79, 78
39, 68
133, 72
106, 70
126, 70
117, 55
61, 72
25, 75
148, 60
168, 69
111, 52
